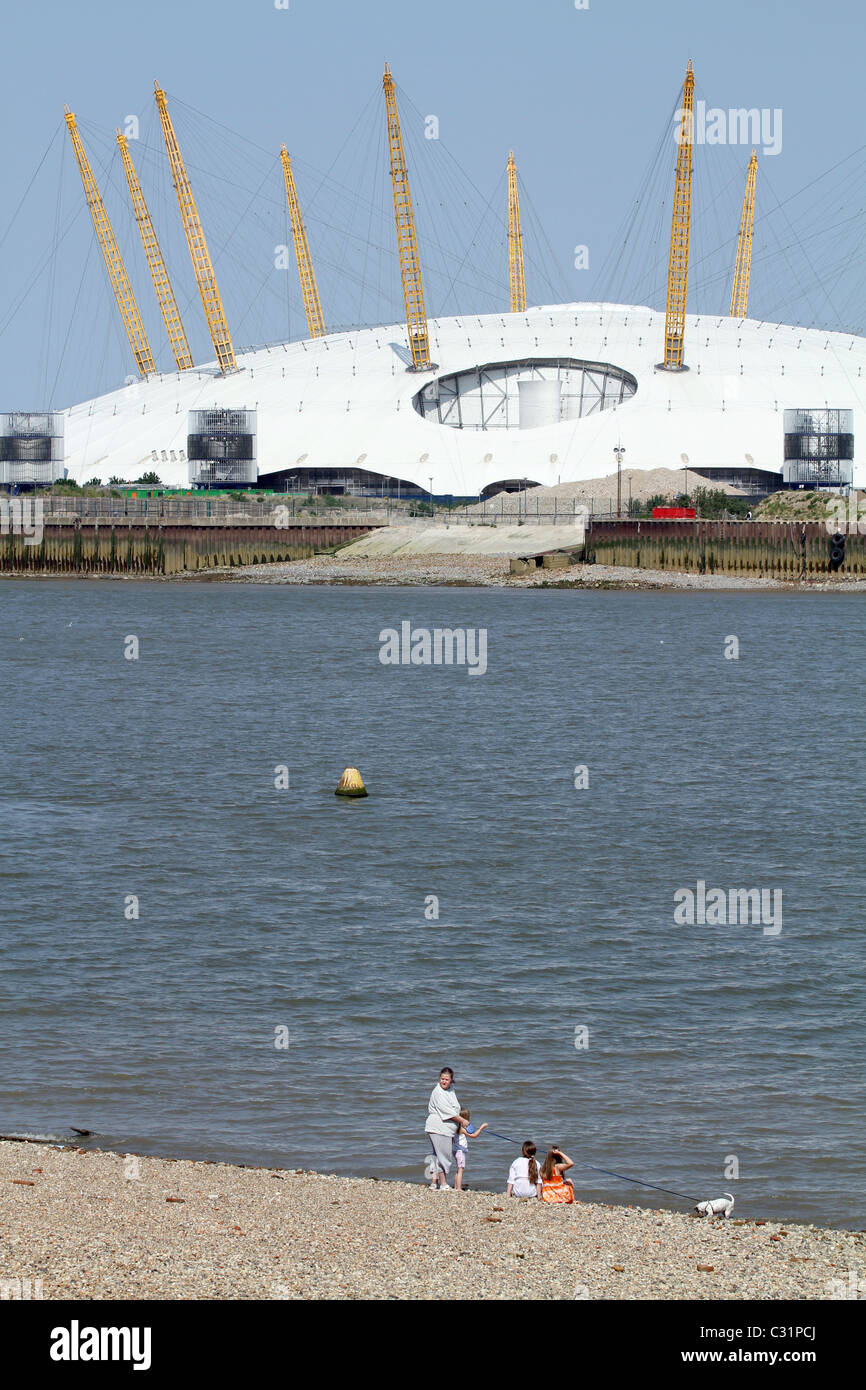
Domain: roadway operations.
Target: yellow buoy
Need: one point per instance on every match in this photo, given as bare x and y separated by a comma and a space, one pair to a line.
351, 784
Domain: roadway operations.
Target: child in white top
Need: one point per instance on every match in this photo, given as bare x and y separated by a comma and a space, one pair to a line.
460, 1144
524, 1179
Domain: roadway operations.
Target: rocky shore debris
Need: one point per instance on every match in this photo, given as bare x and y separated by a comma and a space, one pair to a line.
88, 1231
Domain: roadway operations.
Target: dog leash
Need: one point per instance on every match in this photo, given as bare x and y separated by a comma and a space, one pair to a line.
609, 1172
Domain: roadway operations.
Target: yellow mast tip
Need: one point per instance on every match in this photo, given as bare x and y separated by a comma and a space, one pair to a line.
407, 241
197, 245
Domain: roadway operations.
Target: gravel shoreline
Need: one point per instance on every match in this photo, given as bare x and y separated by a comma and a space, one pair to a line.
105, 1226
494, 571
462, 571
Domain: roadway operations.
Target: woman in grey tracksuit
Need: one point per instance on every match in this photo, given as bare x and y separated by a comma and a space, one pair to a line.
442, 1111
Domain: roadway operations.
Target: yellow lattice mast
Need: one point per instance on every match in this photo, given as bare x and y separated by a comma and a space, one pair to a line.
678, 265
309, 288
113, 259
407, 241
740, 290
159, 274
201, 261
516, 274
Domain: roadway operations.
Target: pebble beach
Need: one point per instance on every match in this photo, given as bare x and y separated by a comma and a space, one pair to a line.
105, 1226
491, 571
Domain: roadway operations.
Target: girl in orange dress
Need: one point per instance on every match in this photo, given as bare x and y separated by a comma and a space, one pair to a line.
554, 1187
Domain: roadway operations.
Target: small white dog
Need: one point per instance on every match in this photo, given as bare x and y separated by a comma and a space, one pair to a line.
718, 1206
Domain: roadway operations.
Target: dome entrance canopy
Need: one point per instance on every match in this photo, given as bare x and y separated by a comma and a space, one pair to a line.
488, 397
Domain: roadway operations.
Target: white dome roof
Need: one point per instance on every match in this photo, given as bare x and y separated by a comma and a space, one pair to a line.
348, 395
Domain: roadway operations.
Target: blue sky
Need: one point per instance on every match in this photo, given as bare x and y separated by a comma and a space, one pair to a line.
583, 96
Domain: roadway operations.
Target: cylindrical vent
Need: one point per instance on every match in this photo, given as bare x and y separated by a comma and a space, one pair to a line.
221, 448
819, 447
31, 447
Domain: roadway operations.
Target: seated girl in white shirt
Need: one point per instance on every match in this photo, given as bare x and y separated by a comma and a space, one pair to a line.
524, 1179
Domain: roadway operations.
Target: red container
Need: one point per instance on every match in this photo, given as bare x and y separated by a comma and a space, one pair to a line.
673, 513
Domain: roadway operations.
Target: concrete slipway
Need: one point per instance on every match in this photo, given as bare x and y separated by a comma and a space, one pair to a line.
466, 540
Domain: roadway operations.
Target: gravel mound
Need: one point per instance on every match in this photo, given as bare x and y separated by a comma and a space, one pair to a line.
599, 494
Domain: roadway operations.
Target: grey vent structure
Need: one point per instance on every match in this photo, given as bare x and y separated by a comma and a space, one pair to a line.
221, 448
31, 447
819, 448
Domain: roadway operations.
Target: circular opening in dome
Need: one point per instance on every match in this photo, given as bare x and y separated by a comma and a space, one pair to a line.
528, 393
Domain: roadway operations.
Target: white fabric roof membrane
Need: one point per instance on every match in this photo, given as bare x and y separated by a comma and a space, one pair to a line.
346, 400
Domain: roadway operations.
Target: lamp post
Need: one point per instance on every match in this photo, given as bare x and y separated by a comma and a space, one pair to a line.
750, 482
431, 495
619, 451
299, 463
685, 463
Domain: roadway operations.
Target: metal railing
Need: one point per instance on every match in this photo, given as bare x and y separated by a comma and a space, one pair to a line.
218, 509
262, 512
503, 510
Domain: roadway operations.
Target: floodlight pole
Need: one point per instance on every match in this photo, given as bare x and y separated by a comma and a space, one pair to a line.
619, 453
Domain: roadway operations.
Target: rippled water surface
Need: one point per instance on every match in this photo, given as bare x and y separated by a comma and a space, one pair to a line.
263, 909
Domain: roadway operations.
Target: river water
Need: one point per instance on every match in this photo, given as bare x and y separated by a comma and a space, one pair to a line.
286, 993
